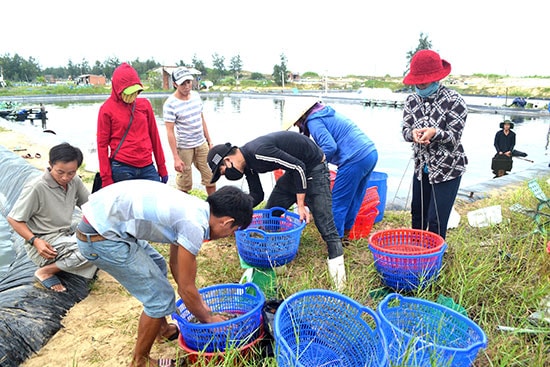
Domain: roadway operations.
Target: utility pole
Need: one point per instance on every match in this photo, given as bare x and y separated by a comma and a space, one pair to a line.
283, 78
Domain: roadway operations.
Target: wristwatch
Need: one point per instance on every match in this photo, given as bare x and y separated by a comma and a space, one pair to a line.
31, 240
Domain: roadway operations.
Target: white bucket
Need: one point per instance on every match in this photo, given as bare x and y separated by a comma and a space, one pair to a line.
485, 217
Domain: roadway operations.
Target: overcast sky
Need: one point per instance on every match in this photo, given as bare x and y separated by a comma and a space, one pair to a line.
335, 38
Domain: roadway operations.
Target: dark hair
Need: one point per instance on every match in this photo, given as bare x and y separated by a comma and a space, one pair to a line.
65, 152
233, 202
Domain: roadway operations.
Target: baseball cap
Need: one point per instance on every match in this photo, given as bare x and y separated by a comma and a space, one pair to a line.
215, 159
181, 74
132, 89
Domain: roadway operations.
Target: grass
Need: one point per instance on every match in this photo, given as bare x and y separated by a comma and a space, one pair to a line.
499, 274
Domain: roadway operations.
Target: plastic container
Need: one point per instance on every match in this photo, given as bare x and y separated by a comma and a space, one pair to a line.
193, 356
380, 180
317, 327
270, 241
363, 224
370, 200
407, 272
424, 333
485, 217
246, 300
406, 241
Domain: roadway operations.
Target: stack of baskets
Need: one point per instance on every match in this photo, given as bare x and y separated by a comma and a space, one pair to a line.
424, 333
323, 328
407, 259
270, 240
367, 215
244, 300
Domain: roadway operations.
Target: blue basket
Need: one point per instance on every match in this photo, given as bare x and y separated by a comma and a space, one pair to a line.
407, 272
247, 300
270, 240
424, 333
322, 328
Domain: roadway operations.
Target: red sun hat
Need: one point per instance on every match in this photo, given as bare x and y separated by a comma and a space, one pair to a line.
427, 67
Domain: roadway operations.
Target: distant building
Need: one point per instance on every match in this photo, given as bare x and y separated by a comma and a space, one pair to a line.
166, 72
89, 79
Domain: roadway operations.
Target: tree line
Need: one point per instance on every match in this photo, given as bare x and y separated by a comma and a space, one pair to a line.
17, 69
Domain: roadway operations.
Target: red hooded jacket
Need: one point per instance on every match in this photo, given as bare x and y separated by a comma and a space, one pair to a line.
142, 141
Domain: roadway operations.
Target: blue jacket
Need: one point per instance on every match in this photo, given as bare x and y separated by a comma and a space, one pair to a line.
341, 139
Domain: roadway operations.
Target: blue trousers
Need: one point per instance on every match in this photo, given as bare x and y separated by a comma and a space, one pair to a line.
432, 204
349, 190
123, 172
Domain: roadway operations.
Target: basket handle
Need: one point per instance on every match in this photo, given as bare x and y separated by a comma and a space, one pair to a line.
372, 314
254, 289
256, 232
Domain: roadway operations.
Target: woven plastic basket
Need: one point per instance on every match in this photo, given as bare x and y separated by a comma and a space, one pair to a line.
322, 328
407, 272
370, 200
270, 241
424, 333
406, 241
363, 224
246, 300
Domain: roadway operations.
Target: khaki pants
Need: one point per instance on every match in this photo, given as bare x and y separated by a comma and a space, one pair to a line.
198, 157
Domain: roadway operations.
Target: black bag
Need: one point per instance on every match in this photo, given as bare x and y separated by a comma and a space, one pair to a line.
97, 182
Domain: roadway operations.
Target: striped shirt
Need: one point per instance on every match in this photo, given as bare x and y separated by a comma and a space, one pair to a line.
187, 115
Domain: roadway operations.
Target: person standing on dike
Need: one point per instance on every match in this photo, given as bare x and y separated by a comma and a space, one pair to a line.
188, 135
134, 158
433, 120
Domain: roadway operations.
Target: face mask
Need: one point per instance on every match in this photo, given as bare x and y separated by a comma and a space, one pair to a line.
129, 98
233, 174
431, 89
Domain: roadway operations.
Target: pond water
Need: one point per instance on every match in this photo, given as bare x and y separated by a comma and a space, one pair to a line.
238, 119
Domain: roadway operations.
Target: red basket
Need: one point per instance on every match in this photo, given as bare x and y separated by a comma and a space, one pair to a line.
363, 224
404, 241
218, 357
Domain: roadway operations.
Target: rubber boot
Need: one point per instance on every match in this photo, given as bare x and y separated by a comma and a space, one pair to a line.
337, 272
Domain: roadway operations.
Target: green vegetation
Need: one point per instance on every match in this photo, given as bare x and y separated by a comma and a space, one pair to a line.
499, 274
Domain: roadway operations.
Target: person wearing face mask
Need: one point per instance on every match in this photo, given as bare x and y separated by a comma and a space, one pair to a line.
306, 181
433, 120
127, 133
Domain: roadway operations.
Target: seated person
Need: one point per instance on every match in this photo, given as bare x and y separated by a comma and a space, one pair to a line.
43, 217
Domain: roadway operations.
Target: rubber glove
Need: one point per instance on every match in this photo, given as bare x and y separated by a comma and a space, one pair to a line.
164, 179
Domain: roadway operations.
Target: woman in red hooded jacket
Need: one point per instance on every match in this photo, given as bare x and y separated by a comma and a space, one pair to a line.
134, 158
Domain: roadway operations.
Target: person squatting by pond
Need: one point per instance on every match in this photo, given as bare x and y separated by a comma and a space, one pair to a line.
43, 217
306, 181
125, 118
433, 120
117, 223
345, 145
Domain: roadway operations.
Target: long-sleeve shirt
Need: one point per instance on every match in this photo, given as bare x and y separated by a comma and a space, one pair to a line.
445, 111
287, 150
141, 142
505, 143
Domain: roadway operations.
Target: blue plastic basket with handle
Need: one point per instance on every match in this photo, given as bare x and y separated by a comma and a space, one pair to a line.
408, 272
246, 300
317, 327
424, 334
270, 240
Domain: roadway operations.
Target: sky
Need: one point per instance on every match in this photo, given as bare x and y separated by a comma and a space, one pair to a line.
339, 38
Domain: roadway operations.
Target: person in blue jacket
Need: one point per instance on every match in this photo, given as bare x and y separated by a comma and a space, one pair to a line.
345, 145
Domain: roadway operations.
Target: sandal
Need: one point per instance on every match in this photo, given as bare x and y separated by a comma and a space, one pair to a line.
27, 156
38, 155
